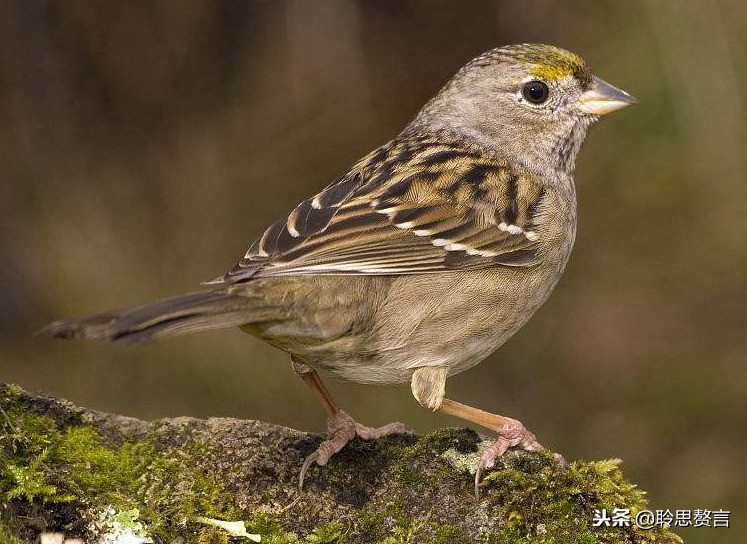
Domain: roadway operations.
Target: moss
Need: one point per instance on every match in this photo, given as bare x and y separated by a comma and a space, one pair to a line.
538, 500
41, 463
14, 390
175, 490
47, 464
9, 533
326, 534
415, 531
65, 469
435, 456
272, 532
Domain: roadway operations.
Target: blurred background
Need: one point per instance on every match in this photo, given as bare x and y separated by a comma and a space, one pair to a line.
144, 144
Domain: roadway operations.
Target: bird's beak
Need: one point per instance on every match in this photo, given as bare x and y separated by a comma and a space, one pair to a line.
603, 98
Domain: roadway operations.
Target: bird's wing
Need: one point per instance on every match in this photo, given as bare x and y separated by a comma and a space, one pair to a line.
410, 207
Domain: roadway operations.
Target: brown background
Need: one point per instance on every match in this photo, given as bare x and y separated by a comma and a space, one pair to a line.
143, 145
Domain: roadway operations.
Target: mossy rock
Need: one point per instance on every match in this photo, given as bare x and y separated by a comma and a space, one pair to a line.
89, 474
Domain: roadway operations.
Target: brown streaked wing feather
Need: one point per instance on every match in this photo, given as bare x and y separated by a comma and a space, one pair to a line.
412, 206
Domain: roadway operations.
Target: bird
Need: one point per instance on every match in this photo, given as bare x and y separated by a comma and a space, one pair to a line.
422, 258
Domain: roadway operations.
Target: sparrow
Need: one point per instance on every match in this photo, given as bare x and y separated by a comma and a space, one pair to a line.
420, 260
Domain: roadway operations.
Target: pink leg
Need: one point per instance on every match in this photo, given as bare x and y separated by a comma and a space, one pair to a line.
342, 428
511, 433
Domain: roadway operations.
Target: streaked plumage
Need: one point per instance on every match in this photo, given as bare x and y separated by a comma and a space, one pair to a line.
415, 205
426, 255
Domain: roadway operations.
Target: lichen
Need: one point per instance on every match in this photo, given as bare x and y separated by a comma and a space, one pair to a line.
115, 527
460, 461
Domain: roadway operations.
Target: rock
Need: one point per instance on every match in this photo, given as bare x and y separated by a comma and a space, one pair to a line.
94, 476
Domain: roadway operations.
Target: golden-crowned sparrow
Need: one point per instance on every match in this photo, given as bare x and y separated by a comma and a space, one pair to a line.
421, 259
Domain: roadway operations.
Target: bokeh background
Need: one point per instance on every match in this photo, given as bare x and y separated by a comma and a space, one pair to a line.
144, 144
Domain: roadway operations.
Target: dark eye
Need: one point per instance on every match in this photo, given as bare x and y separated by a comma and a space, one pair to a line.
535, 92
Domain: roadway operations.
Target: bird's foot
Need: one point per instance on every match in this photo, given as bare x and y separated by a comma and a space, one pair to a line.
342, 429
511, 434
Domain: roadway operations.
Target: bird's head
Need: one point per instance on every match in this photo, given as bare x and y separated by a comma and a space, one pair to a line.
531, 102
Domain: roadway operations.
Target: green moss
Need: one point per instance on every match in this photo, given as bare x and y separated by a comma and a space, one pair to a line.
326, 534
175, 491
423, 529
403, 531
31, 481
9, 533
537, 500
433, 457
65, 474
93, 467
272, 532
41, 463
13, 389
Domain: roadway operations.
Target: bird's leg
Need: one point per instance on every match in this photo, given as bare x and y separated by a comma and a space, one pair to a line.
312, 379
511, 433
342, 428
429, 386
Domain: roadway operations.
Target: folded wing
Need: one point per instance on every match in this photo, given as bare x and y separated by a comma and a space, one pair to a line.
410, 207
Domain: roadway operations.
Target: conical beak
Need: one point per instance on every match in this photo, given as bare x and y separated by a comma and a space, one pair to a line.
604, 98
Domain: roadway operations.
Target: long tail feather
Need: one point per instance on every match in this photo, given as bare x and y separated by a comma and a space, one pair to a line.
165, 317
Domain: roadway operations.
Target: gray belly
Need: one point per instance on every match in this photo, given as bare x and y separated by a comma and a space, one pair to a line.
454, 320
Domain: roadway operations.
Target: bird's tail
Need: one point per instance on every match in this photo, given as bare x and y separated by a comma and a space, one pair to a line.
165, 317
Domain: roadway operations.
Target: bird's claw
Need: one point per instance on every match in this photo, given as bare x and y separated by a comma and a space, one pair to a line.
512, 434
342, 429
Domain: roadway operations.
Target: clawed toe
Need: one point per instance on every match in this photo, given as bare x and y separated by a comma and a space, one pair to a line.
372, 433
342, 429
512, 434
305, 467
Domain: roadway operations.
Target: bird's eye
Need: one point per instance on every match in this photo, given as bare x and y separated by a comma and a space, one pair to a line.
535, 91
